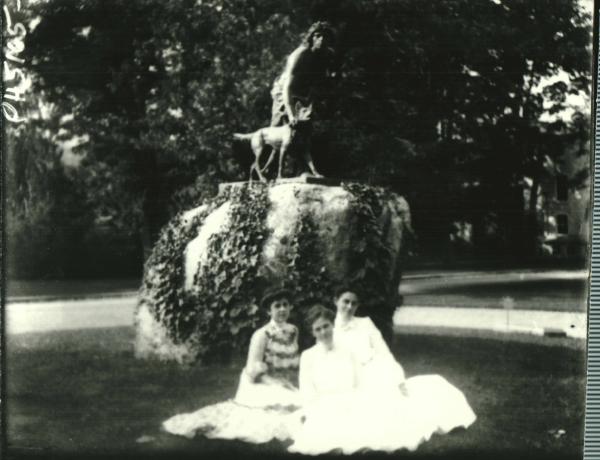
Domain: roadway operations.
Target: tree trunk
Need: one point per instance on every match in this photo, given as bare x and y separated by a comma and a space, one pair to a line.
146, 240
153, 213
532, 229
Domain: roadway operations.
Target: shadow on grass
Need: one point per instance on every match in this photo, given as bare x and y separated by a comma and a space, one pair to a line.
244, 454
75, 392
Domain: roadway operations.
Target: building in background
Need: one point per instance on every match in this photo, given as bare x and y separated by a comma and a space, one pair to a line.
564, 207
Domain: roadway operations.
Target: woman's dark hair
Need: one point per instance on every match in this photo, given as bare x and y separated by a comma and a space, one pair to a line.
316, 312
271, 295
345, 288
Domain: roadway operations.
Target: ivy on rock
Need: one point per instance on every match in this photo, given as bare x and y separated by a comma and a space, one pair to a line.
225, 292
217, 315
371, 258
163, 285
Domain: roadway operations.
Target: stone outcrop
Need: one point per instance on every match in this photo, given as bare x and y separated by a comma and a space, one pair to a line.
332, 209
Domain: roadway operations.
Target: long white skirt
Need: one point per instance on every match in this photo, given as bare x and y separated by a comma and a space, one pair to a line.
259, 413
383, 420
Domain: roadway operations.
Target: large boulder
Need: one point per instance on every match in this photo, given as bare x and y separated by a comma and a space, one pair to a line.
212, 263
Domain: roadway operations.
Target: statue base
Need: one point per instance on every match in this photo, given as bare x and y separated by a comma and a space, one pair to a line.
304, 179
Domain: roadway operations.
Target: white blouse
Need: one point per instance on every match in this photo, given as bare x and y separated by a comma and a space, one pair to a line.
362, 338
325, 372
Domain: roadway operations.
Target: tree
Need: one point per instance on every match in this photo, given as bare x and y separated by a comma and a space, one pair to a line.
461, 81
156, 88
432, 99
45, 216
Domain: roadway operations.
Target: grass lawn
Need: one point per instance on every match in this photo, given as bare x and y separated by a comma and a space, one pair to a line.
82, 393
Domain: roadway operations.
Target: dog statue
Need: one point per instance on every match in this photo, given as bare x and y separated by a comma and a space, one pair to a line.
280, 139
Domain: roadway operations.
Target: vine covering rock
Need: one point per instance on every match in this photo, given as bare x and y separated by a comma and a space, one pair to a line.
211, 265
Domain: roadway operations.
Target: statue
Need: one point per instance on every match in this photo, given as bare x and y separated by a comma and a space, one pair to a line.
211, 263
305, 69
280, 138
293, 96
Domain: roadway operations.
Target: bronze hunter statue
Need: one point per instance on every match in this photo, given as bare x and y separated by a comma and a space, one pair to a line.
293, 96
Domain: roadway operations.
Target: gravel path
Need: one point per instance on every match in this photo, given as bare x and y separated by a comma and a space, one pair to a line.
46, 316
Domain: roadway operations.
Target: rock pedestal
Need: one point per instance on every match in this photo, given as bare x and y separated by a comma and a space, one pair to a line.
335, 234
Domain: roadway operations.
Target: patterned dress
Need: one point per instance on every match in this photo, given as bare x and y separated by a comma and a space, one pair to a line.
281, 351
261, 410
278, 386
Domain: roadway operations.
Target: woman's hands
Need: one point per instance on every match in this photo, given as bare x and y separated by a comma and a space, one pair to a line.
255, 366
255, 370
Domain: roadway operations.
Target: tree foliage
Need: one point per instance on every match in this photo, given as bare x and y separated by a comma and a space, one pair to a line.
41, 195
441, 101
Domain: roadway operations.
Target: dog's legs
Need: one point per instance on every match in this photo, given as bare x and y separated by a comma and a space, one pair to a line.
260, 174
254, 165
257, 168
258, 146
282, 152
251, 171
269, 160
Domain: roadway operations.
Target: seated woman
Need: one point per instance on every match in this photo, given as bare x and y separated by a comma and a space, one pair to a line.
340, 413
377, 366
266, 394
444, 404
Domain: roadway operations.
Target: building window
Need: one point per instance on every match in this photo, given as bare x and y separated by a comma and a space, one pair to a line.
562, 187
562, 224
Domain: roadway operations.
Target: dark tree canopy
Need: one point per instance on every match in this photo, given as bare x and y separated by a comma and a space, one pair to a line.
432, 99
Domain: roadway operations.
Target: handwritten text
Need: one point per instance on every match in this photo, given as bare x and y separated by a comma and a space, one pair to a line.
13, 74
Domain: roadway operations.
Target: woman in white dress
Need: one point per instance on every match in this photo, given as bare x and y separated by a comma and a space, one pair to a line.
444, 404
379, 372
328, 388
377, 366
346, 411
266, 394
